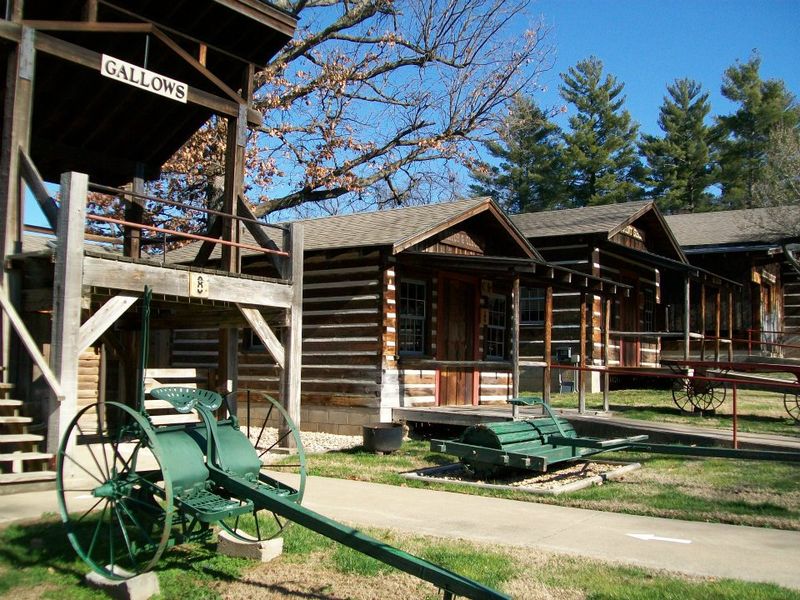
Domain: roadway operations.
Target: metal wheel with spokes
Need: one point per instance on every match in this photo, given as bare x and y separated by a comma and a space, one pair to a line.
284, 472
792, 404
708, 395
682, 392
111, 457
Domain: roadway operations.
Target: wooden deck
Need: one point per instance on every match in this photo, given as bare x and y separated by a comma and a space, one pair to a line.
461, 415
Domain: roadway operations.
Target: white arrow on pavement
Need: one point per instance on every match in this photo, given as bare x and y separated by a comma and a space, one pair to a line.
649, 537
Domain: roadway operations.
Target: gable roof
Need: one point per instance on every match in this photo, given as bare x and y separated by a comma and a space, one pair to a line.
399, 228
732, 227
604, 219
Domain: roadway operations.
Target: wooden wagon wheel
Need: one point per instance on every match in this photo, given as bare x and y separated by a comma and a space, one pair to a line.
792, 404
682, 394
708, 395
263, 524
111, 454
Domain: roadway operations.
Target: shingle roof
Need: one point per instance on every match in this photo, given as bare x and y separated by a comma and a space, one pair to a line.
575, 221
379, 228
731, 227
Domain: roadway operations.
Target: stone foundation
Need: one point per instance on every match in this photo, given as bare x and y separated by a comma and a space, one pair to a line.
328, 419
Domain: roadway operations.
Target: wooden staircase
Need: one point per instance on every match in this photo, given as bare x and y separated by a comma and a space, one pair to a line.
22, 465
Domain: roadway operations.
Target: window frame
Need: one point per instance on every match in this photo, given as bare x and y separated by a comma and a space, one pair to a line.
492, 328
420, 320
523, 299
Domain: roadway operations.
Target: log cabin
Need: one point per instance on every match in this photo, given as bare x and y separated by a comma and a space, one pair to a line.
405, 307
754, 248
632, 244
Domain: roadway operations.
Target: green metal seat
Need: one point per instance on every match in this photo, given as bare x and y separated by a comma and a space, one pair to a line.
184, 399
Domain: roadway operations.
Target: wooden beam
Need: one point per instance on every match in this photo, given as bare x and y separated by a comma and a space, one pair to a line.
193, 62
687, 286
582, 358
703, 321
730, 324
264, 333
67, 291
30, 345
120, 275
105, 316
548, 342
290, 376
717, 321
515, 291
606, 349
134, 212
91, 60
36, 185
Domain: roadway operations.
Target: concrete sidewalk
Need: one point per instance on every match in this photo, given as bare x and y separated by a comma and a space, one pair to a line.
693, 548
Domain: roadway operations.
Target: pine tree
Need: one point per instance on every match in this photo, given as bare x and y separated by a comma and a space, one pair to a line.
530, 175
600, 156
681, 164
744, 135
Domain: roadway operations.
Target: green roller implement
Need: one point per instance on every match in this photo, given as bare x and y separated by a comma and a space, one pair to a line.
536, 444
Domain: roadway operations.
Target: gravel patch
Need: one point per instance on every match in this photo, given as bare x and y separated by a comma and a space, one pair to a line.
314, 442
567, 478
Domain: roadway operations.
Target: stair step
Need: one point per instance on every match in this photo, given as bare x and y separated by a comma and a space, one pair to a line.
10, 456
15, 420
9, 402
12, 478
14, 438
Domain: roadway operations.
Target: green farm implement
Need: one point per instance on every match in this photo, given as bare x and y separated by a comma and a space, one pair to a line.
538, 443
158, 486
154, 486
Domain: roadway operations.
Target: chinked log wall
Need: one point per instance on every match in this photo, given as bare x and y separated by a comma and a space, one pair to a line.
566, 306
342, 336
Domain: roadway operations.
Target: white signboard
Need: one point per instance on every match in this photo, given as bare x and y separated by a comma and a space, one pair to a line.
198, 285
143, 79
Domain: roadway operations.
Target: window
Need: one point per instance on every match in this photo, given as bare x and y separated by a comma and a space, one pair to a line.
531, 306
412, 317
648, 310
496, 327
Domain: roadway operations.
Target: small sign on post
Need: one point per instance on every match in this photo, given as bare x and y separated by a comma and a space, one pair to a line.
198, 285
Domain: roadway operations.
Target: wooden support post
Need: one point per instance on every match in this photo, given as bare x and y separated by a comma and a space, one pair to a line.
717, 322
702, 321
67, 287
134, 212
231, 256
515, 291
730, 324
290, 376
548, 343
606, 345
16, 126
687, 327
582, 359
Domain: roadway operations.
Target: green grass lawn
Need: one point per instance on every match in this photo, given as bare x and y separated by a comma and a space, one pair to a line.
757, 412
757, 493
36, 561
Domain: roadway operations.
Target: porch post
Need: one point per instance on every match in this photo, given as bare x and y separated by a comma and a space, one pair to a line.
67, 290
582, 359
702, 321
293, 356
686, 318
515, 345
717, 322
548, 343
730, 324
606, 344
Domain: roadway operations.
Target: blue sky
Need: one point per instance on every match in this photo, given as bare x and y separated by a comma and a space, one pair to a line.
647, 44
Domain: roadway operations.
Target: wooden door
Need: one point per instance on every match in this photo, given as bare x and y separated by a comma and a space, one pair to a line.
629, 311
456, 341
